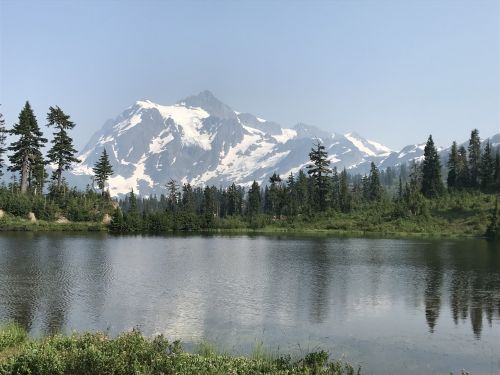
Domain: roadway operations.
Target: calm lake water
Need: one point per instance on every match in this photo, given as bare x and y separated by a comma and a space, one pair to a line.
391, 306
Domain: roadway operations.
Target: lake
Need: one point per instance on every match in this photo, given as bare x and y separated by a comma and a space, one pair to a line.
390, 305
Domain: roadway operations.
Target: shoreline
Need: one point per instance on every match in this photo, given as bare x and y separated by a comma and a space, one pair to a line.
133, 353
24, 225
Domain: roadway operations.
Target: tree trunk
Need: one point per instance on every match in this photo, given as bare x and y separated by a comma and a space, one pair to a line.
59, 178
24, 176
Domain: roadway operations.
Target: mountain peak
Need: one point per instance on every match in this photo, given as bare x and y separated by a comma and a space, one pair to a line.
210, 103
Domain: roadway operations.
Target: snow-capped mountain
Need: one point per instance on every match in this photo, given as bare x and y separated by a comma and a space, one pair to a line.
202, 141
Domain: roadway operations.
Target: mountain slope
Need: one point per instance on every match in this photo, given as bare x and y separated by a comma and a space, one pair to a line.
202, 141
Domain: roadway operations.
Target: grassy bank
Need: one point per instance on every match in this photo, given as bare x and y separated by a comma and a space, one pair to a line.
132, 353
454, 216
17, 224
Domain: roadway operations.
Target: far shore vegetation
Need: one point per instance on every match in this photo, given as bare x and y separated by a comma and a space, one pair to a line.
458, 197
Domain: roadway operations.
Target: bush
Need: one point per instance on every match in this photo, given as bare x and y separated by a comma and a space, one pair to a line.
11, 335
131, 353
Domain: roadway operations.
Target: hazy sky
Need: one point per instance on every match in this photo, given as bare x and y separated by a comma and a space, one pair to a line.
393, 71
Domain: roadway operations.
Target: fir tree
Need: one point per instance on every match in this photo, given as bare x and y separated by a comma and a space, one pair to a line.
3, 138
208, 207
173, 195
487, 169
302, 192
38, 176
275, 194
345, 197
374, 186
102, 171
335, 189
27, 149
254, 199
463, 173
432, 186
453, 167
291, 198
232, 200
132, 202
474, 158
62, 153
319, 171
132, 219
188, 203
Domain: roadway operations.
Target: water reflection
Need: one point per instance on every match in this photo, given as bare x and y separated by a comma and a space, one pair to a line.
328, 291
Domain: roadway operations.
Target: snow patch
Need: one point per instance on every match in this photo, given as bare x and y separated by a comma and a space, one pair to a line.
187, 119
286, 135
121, 185
158, 143
359, 144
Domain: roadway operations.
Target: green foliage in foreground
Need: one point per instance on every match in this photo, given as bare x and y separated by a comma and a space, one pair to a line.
131, 353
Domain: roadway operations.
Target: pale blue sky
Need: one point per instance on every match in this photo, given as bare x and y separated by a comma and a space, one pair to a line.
394, 71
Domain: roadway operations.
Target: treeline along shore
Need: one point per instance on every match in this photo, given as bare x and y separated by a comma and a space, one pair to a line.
424, 197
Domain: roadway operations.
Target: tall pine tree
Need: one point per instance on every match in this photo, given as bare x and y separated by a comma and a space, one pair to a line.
487, 169
26, 151
474, 158
254, 199
463, 173
102, 171
62, 153
319, 171
374, 186
345, 196
453, 167
432, 185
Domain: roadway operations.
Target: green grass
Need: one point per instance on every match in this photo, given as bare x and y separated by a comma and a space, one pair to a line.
132, 353
456, 215
16, 224
12, 335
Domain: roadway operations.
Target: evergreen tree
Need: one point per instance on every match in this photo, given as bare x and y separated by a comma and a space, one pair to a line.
319, 171
474, 158
232, 200
117, 224
208, 207
62, 153
38, 176
3, 138
102, 171
27, 149
335, 189
254, 199
291, 199
432, 186
345, 197
132, 202
173, 195
453, 167
132, 219
302, 192
188, 203
487, 169
462, 169
275, 194
374, 186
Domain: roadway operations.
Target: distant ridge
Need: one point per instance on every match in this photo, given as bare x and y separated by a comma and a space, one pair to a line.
202, 140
